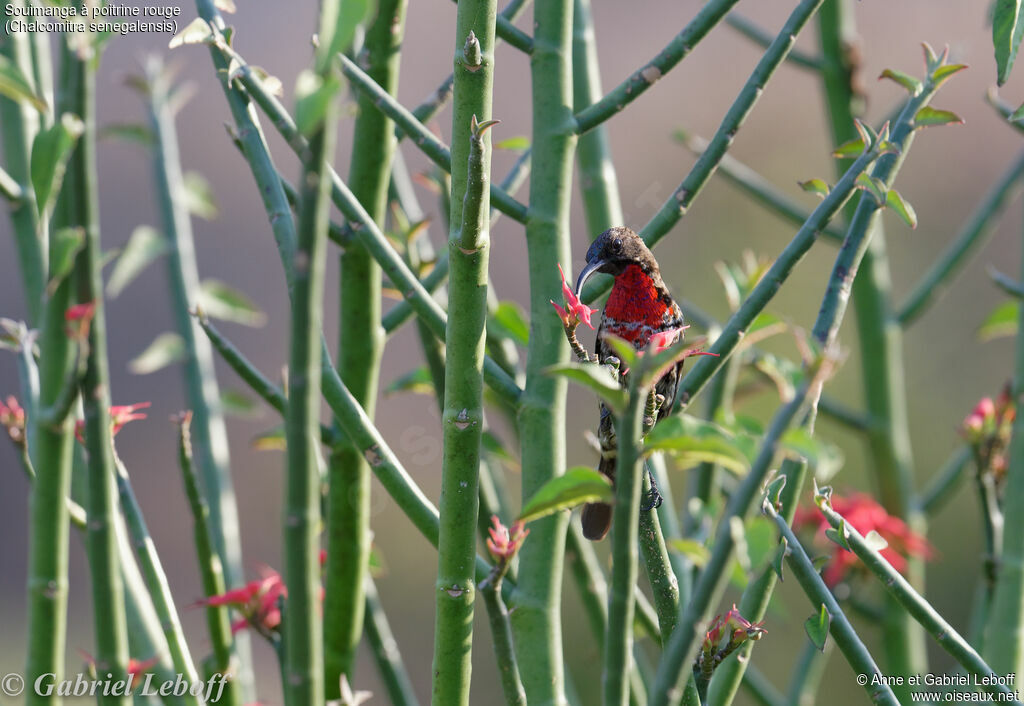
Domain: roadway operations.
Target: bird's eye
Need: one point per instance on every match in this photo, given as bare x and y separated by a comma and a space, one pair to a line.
617, 244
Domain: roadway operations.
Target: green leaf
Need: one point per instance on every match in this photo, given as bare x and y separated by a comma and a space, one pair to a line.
509, 321
312, 97
773, 491
897, 203
816, 627
199, 196
351, 14
624, 351
762, 321
691, 441
873, 186
824, 458
51, 150
818, 187
271, 440
219, 301
579, 485
1007, 284
597, 378
129, 132
943, 73
838, 535
64, 247
239, 404
13, 85
910, 83
195, 32
779, 556
493, 446
853, 148
520, 142
875, 541
930, 117
144, 246
167, 348
693, 550
1001, 322
417, 381
1007, 29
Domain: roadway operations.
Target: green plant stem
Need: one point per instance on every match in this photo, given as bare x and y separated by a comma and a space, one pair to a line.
757, 34
107, 589
807, 674
156, 583
682, 648
664, 584
372, 237
599, 186
761, 689
679, 201
218, 623
1004, 642
945, 482
385, 651
10, 189
360, 347
920, 609
846, 638
303, 669
757, 187
625, 538
431, 146
536, 615
643, 78
971, 237
504, 647
463, 415
510, 33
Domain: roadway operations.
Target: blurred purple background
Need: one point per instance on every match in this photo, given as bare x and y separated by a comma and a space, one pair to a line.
785, 139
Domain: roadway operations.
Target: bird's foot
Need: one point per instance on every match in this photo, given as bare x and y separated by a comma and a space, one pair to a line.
652, 498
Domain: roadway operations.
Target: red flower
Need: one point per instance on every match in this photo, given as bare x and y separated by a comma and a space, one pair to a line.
503, 543
79, 317
736, 626
119, 416
257, 601
12, 417
864, 514
136, 667
575, 310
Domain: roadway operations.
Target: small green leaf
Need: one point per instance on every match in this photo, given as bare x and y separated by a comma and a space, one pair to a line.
597, 378
944, 72
219, 301
624, 351
817, 626
1001, 322
896, 202
764, 320
195, 32
691, 441
930, 117
773, 491
417, 381
579, 485
693, 550
818, 187
13, 85
239, 404
271, 440
875, 541
838, 535
1007, 29
910, 83
1017, 115
873, 186
820, 562
312, 97
493, 446
167, 348
779, 557
64, 247
51, 150
853, 148
1007, 284
824, 458
351, 15
509, 321
128, 132
520, 142
144, 246
199, 196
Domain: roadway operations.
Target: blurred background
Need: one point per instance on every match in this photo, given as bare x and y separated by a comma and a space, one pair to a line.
948, 171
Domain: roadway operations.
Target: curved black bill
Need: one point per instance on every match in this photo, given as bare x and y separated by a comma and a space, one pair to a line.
585, 273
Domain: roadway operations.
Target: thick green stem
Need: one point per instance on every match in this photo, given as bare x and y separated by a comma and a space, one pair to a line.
536, 615
757, 34
504, 647
385, 651
664, 584
463, 416
1004, 637
360, 346
846, 638
107, 588
644, 77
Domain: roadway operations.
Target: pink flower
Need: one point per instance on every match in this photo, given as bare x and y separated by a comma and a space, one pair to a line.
136, 667
78, 318
735, 626
12, 417
503, 543
864, 514
575, 310
119, 416
257, 601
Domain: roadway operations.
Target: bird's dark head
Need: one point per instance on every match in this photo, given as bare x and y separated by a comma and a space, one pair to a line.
613, 251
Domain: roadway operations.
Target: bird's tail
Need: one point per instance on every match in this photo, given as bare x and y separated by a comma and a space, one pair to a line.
597, 517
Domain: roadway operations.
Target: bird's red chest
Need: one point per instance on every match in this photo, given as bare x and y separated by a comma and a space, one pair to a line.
635, 306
